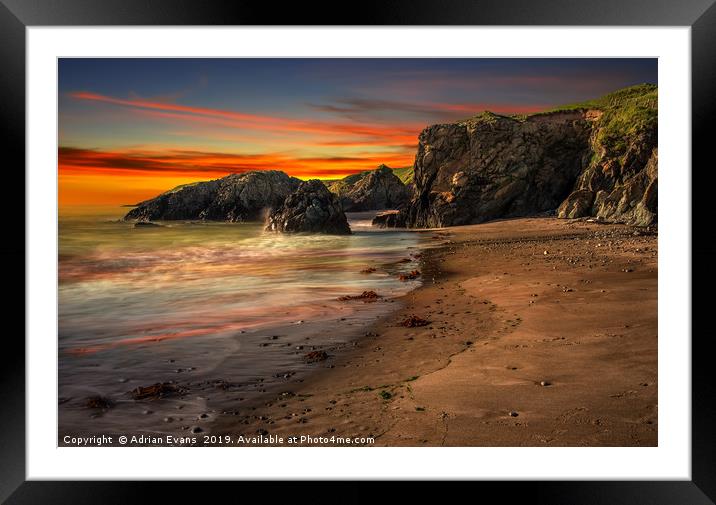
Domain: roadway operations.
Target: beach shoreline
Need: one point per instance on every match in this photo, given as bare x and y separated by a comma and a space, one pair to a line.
162, 383
542, 332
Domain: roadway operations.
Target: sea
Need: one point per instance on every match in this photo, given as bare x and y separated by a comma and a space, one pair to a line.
222, 312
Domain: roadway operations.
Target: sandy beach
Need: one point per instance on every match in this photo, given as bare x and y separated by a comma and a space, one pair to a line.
541, 332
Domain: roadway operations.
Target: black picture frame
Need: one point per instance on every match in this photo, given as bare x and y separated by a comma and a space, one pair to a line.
700, 15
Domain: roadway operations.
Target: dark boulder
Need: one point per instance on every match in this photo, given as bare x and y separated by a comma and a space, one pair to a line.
578, 204
390, 219
312, 209
146, 224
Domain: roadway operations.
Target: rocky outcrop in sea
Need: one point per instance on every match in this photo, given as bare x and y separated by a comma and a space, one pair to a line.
312, 209
390, 219
236, 198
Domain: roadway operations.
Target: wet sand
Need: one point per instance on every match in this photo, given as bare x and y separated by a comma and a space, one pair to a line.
542, 332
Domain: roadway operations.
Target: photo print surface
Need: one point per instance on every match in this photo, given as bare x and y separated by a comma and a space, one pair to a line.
357, 252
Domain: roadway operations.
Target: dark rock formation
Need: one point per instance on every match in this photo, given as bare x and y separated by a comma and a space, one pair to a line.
634, 200
620, 181
593, 159
237, 197
579, 203
390, 219
494, 166
378, 189
311, 208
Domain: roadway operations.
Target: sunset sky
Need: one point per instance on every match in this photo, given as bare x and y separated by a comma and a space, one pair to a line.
132, 128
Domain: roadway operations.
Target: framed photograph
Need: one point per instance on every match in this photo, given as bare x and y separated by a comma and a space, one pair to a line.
413, 245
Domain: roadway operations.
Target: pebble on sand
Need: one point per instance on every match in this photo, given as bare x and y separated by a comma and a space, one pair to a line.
409, 276
413, 321
316, 356
154, 391
365, 296
98, 402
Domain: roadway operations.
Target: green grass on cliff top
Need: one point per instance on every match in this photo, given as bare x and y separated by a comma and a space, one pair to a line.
627, 113
642, 96
405, 174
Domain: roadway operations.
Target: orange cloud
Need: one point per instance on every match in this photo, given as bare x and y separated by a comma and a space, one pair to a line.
88, 176
145, 104
242, 120
199, 163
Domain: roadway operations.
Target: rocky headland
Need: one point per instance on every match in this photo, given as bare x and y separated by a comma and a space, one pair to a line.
235, 198
371, 190
597, 158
